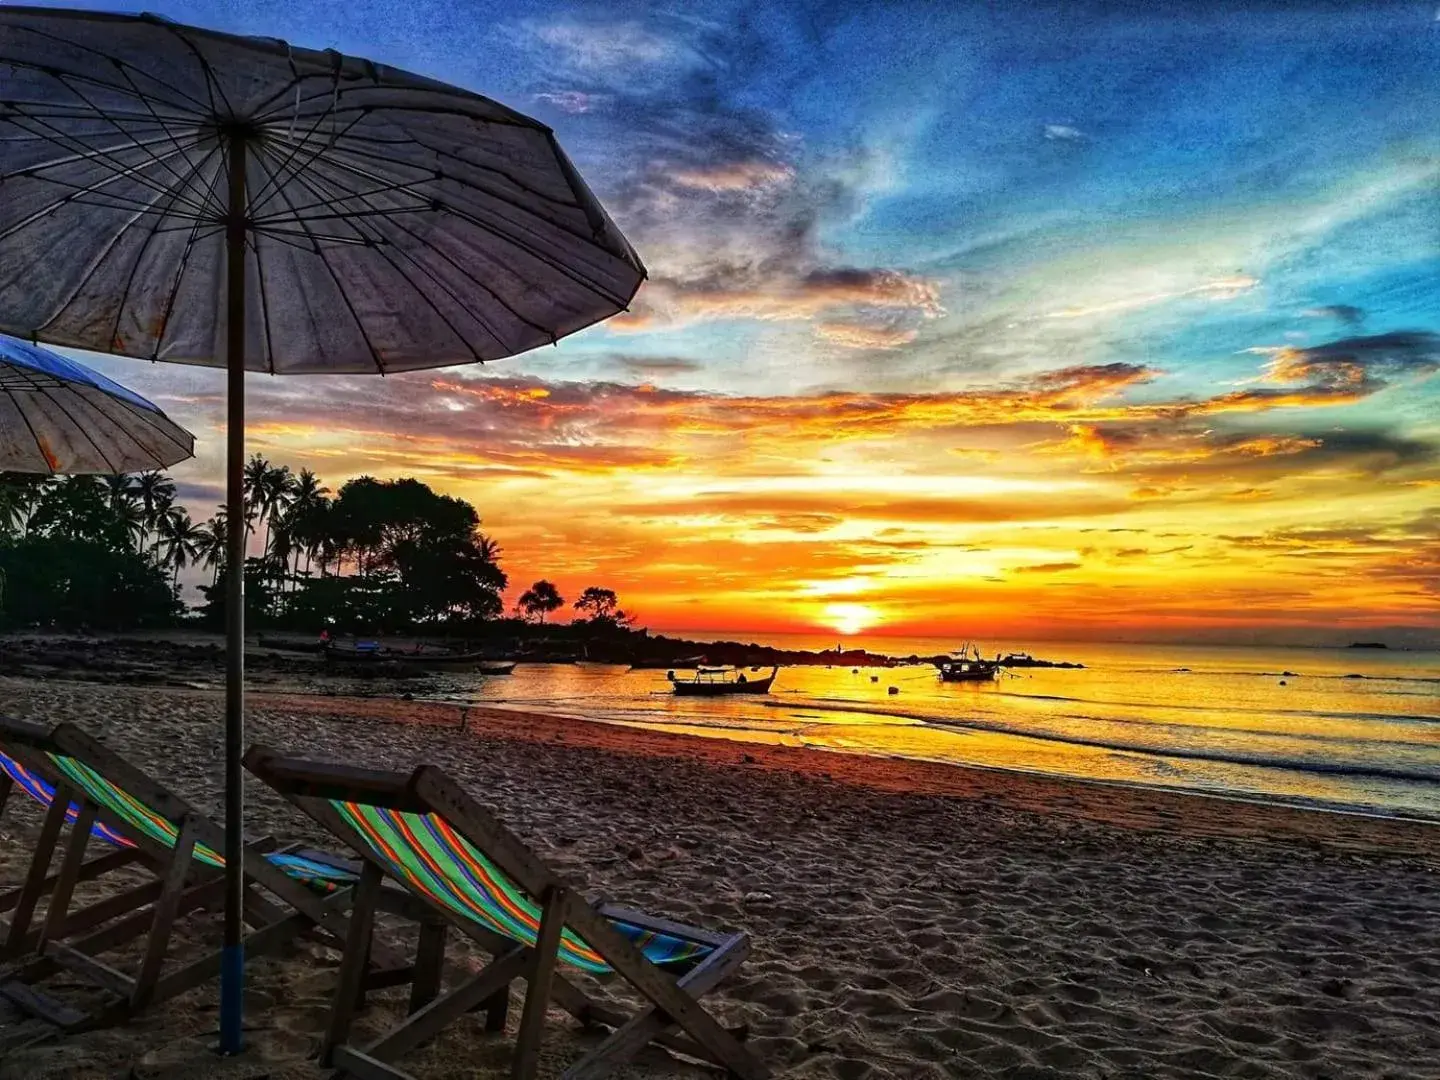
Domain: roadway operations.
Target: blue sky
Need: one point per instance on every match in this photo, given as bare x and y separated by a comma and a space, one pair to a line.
1197, 245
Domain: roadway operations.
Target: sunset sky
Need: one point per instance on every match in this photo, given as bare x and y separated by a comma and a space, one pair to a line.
984, 321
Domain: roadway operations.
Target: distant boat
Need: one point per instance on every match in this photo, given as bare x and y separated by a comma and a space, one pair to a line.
717, 681
649, 663
964, 667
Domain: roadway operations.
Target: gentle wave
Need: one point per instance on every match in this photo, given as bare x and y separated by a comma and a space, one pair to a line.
1271, 761
1313, 714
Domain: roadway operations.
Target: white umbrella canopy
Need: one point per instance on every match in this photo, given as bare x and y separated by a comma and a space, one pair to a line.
58, 416
392, 222
176, 194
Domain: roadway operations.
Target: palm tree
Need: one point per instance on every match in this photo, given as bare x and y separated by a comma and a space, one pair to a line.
120, 489
306, 517
156, 492
487, 548
211, 545
181, 541
131, 519
20, 495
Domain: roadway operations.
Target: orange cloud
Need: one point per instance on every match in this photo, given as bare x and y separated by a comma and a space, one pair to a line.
859, 336
733, 176
816, 293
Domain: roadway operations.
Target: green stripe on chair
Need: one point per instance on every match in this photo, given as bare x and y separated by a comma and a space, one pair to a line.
320, 876
423, 851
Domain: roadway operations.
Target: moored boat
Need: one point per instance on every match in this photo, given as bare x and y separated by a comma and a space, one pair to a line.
717, 681
968, 666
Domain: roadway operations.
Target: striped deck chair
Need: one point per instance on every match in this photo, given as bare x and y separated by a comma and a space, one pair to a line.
102, 797
425, 832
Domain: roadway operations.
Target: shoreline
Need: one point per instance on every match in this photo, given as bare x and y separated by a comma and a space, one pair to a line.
1126, 805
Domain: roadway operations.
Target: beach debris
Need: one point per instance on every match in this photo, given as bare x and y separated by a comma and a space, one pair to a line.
758, 898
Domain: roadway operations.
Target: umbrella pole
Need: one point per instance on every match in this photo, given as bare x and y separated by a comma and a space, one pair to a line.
232, 971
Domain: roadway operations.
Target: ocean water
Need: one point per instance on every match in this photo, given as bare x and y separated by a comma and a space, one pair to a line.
1290, 724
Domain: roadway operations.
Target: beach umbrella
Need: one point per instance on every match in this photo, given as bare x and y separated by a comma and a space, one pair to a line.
57, 416
175, 194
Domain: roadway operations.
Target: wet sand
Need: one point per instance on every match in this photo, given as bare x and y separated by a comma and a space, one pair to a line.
909, 920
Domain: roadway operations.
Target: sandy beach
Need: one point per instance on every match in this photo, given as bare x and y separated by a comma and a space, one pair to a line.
909, 920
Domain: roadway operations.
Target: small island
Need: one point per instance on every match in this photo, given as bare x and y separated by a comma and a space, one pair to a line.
1367, 645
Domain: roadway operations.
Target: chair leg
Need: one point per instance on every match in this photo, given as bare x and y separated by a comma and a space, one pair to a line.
34, 886
497, 1011
429, 961
70, 867
166, 907
538, 980
352, 967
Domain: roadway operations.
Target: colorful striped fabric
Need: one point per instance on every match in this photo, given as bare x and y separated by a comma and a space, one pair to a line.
426, 853
318, 875
36, 787
128, 808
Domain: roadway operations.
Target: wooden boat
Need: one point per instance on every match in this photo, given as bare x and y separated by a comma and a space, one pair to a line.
717, 681
965, 667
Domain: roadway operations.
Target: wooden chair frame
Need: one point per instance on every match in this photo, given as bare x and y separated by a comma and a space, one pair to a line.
180, 884
674, 1003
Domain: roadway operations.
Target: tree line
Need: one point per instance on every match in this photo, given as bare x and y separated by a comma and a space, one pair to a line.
375, 556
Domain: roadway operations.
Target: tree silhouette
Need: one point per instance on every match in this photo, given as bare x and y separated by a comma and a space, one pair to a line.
415, 558
181, 542
601, 605
540, 600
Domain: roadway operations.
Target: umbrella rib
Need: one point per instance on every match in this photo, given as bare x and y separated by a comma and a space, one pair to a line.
135, 266
90, 79
256, 202
75, 197
62, 111
264, 305
484, 323
335, 278
102, 155
81, 427
412, 139
70, 43
95, 265
179, 274
152, 420
335, 93
212, 84
119, 426
558, 265
205, 197
143, 146
371, 155
118, 169
35, 435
